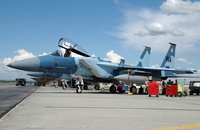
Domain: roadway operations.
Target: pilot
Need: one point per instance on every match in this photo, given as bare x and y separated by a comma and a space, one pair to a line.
67, 53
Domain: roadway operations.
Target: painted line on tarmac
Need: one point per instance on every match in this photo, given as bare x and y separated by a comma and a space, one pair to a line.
184, 127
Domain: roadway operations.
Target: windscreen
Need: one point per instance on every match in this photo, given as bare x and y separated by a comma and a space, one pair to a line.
57, 53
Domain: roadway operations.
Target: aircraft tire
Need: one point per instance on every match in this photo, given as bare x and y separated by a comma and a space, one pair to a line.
113, 89
79, 89
179, 94
64, 87
85, 87
133, 89
96, 87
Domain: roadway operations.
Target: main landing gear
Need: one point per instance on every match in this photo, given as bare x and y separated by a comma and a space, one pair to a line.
79, 89
79, 84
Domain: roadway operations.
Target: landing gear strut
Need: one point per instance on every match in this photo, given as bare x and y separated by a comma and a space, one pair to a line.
79, 84
79, 89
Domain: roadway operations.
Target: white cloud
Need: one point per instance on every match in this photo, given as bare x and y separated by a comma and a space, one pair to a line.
184, 61
21, 54
156, 66
43, 54
10, 73
7, 73
113, 57
180, 7
156, 29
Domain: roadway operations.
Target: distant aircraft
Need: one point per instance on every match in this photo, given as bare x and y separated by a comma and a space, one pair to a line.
95, 68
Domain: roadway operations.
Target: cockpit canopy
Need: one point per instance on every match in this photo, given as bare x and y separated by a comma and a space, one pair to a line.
71, 47
67, 48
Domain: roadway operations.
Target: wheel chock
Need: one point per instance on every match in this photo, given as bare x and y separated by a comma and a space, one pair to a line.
130, 93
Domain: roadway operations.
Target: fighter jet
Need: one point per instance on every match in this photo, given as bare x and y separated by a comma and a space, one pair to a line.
95, 67
50, 76
70, 46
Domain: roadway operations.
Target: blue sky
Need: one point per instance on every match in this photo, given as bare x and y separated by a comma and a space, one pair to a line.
31, 28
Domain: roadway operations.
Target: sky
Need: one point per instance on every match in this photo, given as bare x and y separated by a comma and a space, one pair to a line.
109, 29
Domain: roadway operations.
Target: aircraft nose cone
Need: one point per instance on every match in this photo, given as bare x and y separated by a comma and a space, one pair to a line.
31, 64
9, 65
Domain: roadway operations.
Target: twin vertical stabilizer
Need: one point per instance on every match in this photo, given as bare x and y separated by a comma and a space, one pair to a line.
169, 59
145, 57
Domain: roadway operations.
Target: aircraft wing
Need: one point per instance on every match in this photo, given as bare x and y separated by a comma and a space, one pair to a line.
142, 69
165, 71
184, 71
95, 69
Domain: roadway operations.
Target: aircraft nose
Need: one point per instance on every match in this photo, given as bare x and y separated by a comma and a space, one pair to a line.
31, 64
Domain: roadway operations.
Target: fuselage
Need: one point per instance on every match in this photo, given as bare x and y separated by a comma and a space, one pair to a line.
84, 66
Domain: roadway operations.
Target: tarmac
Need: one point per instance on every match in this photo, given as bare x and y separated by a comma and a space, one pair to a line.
11, 95
50, 108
